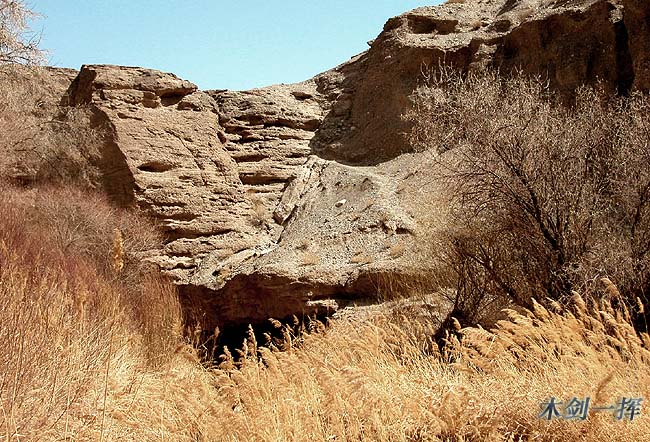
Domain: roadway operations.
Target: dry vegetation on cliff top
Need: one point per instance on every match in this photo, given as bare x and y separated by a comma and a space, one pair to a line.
86, 357
41, 140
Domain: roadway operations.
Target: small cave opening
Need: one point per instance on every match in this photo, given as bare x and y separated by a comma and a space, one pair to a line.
171, 100
427, 25
273, 334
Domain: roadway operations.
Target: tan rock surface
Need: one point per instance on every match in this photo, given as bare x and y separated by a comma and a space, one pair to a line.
162, 153
230, 177
295, 198
570, 43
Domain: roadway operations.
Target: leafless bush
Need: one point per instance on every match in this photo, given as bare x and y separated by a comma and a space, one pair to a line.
545, 198
43, 141
82, 223
67, 325
18, 44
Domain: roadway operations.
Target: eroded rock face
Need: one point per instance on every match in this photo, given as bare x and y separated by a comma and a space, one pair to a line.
256, 226
570, 43
292, 198
162, 152
327, 224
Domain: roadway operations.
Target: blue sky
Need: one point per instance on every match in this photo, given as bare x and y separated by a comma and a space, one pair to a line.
237, 44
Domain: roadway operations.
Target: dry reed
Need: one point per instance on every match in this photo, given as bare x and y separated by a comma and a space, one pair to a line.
80, 363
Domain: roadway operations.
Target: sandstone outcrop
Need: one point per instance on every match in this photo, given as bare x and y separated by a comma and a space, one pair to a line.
567, 42
162, 153
256, 226
292, 199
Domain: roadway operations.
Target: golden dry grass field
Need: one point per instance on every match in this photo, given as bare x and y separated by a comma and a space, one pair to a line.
85, 358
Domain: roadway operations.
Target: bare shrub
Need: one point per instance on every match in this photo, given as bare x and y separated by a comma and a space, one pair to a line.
44, 141
41, 141
545, 198
157, 313
18, 44
68, 330
83, 223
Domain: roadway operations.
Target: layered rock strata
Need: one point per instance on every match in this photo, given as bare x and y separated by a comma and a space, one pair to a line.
292, 198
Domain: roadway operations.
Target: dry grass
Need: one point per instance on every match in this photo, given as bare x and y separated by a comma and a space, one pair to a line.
383, 380
84, 360
69, 328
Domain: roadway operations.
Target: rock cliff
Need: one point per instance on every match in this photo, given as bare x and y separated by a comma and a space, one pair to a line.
292, 199
567, 42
